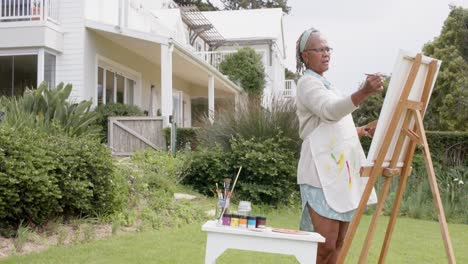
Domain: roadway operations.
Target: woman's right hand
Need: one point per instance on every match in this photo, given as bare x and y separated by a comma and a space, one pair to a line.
373, 83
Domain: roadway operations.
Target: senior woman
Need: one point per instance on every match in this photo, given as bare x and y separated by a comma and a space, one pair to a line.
331, 154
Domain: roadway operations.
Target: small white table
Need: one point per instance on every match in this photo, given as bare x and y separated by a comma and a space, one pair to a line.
220, 238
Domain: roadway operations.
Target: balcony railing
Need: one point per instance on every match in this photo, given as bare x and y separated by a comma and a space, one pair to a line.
216, 57
29, 10
289, 89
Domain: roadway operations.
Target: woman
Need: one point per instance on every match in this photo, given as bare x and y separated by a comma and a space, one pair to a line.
328, 170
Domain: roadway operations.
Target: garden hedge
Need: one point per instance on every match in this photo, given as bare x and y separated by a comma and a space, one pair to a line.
43, 177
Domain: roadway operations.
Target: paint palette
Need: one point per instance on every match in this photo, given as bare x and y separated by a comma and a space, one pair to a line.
289, 231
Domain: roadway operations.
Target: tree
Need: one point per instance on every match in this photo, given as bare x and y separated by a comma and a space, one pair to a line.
256, 4
289, 75
246, 68
202, 5
449, 100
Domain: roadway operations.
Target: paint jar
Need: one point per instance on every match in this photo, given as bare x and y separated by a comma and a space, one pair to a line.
261, 222
251, 222
226, 219
235, 220
244, 208
242, 221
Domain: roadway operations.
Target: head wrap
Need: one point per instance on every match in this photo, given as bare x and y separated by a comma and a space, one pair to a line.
300, 46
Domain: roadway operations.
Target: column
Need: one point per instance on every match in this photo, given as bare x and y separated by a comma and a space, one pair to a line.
211, 107
166, 82
40, 67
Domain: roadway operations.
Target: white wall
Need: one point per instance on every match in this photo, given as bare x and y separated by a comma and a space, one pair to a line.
39, 35
70, 64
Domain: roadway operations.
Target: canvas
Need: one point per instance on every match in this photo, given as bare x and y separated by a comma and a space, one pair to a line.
400, 73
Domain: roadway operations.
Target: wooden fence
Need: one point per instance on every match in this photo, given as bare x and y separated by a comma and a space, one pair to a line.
132, 133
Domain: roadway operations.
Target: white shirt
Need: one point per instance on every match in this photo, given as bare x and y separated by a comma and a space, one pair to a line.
316, 103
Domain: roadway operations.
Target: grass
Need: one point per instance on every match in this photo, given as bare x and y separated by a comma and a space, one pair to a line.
414, 241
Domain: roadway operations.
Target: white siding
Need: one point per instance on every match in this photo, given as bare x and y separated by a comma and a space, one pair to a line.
31, 36
70, 64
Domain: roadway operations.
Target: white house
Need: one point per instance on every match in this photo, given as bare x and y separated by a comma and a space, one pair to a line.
150, 53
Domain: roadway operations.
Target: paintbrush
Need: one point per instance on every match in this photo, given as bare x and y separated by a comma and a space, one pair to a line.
235, 181
376, 74
229, 196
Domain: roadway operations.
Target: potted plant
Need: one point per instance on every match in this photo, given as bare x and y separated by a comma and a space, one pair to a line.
36, 9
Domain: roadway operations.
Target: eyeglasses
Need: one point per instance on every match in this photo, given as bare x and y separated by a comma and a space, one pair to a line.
321, 50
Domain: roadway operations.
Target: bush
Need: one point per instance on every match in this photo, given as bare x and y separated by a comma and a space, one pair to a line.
268, 169
42, 177
105, 111
29, 190
85, 175
50, 111
208, 167
254, 121
153, 178
245, 67
265, 142
186, 138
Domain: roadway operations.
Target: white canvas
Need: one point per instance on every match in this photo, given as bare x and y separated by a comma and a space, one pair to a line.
397, 82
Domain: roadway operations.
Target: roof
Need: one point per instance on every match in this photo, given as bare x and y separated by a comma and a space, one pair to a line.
252, 24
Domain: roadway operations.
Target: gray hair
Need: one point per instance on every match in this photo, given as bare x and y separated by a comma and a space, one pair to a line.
300, 46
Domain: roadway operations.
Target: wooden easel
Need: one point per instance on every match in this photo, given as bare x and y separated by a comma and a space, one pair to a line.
410, 110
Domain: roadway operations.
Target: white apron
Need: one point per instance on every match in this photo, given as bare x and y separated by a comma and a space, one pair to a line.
338, 155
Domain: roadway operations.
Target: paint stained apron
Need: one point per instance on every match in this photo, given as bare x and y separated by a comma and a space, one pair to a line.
338, 155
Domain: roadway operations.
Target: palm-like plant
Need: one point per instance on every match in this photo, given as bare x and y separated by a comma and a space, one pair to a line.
50, 110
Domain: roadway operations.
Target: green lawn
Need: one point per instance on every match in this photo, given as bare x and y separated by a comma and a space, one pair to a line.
414, 241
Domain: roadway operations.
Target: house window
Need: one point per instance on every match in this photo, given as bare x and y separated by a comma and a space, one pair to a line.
129, 91
17, 73
114, 87
49, 69
199, 46
178, 107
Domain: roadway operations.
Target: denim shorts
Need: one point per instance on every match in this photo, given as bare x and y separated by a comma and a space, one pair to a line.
316, 199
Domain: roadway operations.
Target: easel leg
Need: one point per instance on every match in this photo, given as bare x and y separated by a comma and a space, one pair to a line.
435, 191
396, 207
357, 218
378, 210
438, 205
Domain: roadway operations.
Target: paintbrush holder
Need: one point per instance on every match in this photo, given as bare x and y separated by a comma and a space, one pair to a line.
220, 205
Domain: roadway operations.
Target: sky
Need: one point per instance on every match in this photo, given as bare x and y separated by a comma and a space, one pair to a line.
365, 35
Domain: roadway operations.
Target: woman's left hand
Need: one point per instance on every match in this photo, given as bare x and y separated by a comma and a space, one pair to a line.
365, 131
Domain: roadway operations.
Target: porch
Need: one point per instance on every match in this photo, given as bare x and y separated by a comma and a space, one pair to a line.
163, 78
29, 10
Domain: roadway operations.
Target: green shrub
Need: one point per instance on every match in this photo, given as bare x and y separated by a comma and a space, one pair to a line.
85, 174
186, 138
29, 189
245, 67
152, 180
268, 169
208, 167
105, 111
50, 111
265, 142
254, 121
44, 176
